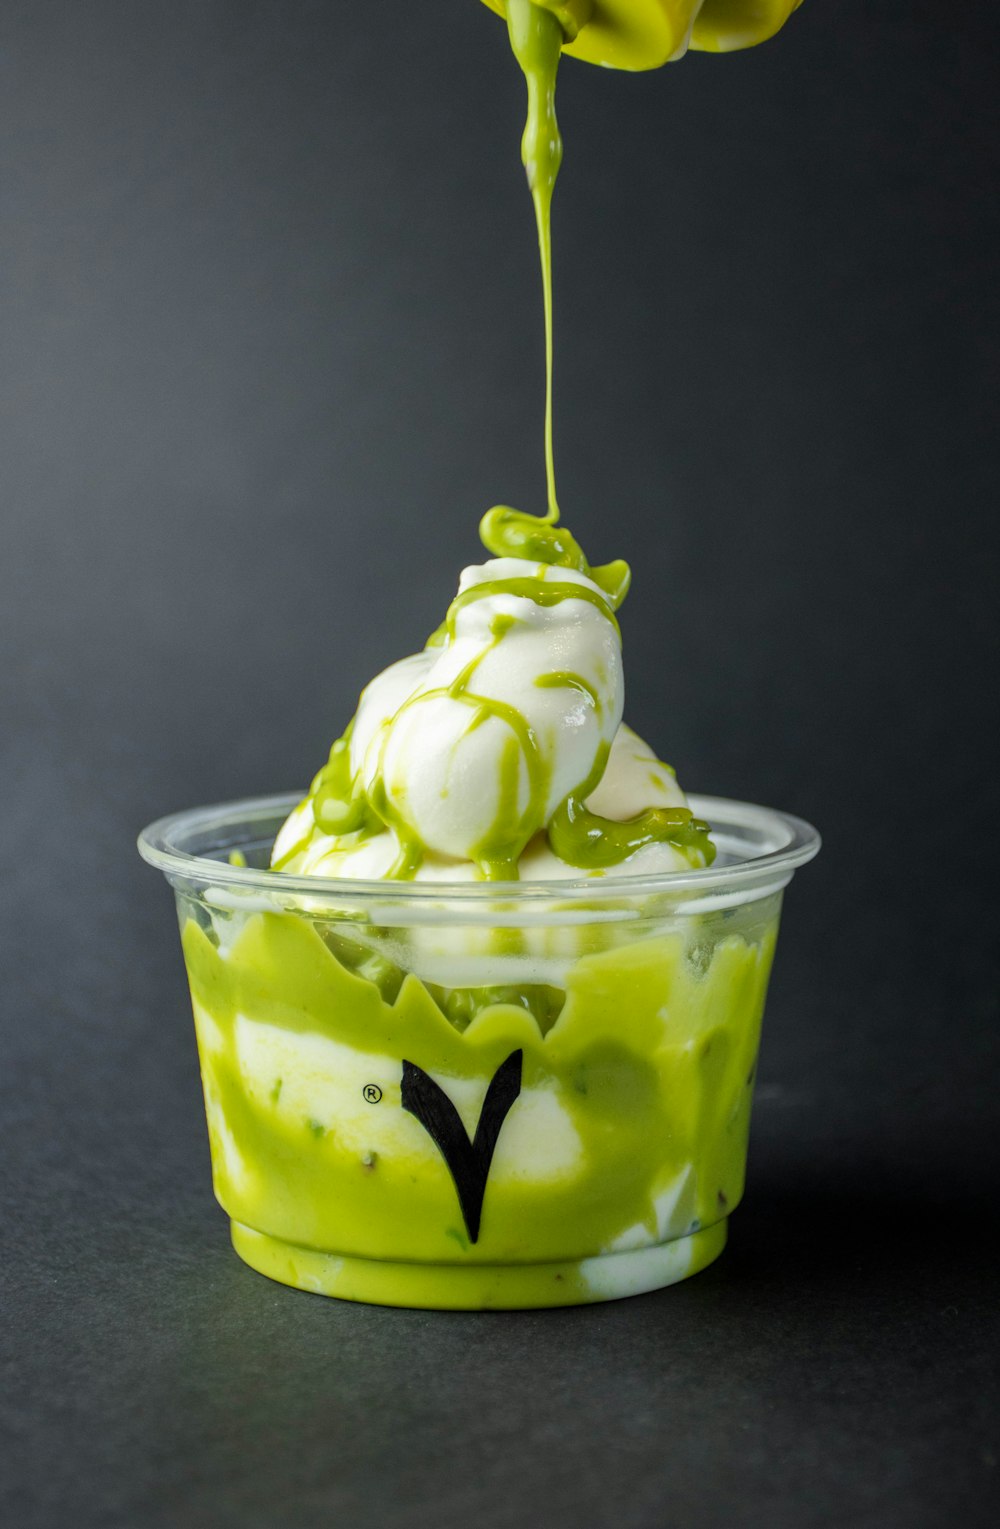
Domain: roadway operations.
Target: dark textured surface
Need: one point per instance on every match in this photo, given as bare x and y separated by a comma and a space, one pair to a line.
271, 344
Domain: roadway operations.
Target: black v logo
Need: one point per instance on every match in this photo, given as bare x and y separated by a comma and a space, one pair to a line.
469, 1161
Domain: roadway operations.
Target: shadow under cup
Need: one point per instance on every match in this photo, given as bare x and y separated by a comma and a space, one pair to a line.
475, 1095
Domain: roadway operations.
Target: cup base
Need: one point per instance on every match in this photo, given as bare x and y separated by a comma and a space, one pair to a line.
480, 1287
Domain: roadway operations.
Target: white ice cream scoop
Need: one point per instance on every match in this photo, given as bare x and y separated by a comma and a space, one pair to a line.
505, 720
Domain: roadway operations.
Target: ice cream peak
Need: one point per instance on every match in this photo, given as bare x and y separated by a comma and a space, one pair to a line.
499, 750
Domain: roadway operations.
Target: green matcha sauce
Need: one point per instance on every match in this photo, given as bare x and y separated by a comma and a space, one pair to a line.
348, 812
537, 38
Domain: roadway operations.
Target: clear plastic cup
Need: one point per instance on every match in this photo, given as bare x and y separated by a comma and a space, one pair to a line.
477, 1095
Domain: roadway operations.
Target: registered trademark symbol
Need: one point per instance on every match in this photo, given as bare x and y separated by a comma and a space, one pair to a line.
372, 1093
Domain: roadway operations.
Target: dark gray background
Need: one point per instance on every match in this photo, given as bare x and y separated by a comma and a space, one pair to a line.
271, 343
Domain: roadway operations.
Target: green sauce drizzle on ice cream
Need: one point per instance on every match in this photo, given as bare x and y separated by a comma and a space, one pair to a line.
499, 751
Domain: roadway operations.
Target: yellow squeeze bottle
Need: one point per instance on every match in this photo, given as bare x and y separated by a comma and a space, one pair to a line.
643, 34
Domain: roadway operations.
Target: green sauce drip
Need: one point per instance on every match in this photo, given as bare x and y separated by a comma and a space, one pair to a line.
562, 679
584, 839
339, 804
411, 850
537, 38
497, 854
511, 533
547, 592
581, 838
537, 35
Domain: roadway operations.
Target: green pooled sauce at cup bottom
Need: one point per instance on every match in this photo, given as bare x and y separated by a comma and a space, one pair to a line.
630, 1128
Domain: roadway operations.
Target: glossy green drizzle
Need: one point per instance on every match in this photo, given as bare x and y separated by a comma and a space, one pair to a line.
339, 804
512, 533
497, 854
562, 679
577, 835
537, 38
585, 839
582, 838
545, 592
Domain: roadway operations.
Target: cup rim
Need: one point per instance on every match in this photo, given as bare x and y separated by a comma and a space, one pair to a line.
794, 842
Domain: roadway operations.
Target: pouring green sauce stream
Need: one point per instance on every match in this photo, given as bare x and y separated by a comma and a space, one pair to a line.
342, 805
537, 38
